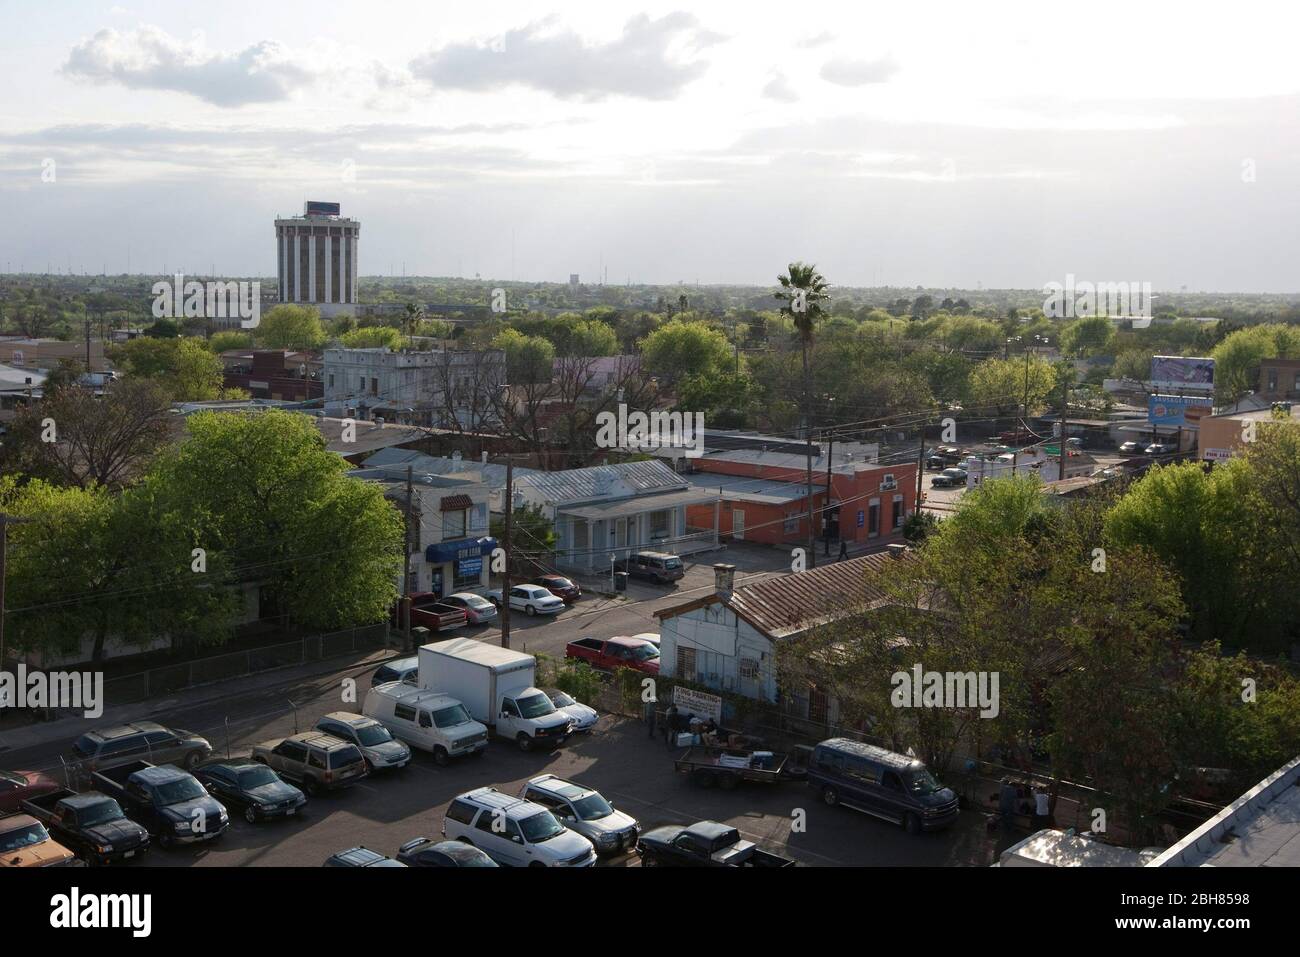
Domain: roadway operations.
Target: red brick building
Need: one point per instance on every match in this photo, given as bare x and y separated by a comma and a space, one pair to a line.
274, 374
768, 503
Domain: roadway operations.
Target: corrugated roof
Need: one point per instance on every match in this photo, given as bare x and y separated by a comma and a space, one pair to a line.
625, 478
785, 606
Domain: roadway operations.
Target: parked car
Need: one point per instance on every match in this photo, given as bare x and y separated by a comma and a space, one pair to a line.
496, 686
530, 599
360, 857
92, 824
138, 741
1130, 448
398, 669
948, 478
18, 786
660, 567
377, 745
582, 718
429, 720
254, 787
316, 761
1157, 448
172, 805
650, 636
24, 842
425, 852
705, 844
562, 588
478, 610
608, 654
514, 832
895, 787
584, 810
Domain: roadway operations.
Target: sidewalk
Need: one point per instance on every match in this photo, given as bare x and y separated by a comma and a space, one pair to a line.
35, 734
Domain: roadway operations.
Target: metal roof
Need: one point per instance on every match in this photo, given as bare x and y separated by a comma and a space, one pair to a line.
578, 485
638, 504
765, 491
791, 604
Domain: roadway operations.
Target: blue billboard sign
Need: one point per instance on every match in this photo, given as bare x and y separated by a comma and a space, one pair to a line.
1179, 410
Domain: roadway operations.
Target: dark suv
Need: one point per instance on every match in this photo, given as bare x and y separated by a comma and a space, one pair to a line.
891, 786
138, 741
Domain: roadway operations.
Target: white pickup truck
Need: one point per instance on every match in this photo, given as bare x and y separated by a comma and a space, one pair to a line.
498, 688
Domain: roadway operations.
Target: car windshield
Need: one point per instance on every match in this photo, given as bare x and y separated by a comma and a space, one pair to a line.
84, 745
560, 583
451, 716
23, 837
100, 813
922, 782
256, 778
673, 563
561, 700
182, 789
373, 734
540, 827
535, 706
645, 652
592, 808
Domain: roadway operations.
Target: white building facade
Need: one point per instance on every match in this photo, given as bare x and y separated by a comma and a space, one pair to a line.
316, 257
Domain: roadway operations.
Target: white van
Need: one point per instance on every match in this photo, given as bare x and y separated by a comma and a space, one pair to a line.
429, 720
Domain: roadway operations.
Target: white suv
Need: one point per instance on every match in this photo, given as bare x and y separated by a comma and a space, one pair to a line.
514, 832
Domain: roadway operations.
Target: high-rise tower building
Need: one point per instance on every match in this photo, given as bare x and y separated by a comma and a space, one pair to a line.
316, 255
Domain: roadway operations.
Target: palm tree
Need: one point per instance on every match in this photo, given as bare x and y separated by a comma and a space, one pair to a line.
414, 317
803, 289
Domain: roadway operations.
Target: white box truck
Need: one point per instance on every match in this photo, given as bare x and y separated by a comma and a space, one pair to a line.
496, 685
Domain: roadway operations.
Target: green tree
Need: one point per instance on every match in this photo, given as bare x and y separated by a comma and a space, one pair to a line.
373, 337
1237, 357
228, 340
679, 349
1087, 337
803, 290
529, 359
266, 494
183, 368
290, 327
999, 386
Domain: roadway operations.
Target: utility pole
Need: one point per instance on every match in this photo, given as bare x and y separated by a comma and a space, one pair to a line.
826, 534
1065, 414
812, 543
5, 522
920, 464
505, 579
406, 566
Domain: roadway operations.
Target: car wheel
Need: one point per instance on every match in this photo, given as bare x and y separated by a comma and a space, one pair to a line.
531, 610
524, 741
192, 760
164, 841
649, 860
441, 757
912, 823
830, 796
727, 782
250, 815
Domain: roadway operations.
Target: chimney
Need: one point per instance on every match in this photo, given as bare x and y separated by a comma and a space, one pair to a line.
724, 579
896, 550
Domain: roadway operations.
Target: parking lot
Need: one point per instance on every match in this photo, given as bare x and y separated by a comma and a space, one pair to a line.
617, 758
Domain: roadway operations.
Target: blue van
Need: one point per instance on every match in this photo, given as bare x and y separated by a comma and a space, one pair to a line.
891, 786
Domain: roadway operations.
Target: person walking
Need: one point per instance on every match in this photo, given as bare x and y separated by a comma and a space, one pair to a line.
844, 550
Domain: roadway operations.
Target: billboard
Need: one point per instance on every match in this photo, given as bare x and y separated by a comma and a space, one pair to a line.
1179, 410
315, 208
1182, 372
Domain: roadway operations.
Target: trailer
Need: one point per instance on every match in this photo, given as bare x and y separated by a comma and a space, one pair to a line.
727, 767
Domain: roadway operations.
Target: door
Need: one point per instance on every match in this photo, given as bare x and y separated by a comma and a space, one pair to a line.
738, 524
508, 720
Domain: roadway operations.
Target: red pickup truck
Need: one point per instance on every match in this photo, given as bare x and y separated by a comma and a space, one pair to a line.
428, 612
607, 654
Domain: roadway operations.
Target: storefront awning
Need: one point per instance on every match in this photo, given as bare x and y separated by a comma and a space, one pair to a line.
460, 549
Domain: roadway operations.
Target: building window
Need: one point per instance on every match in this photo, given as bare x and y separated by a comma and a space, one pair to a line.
748, 669
453, 524
686, 663
659, 524
873, 518
898, 511
331, 380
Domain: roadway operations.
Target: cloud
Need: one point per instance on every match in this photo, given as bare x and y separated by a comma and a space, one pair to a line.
650, 60
779, 88
845, 72
817, 40
148, 58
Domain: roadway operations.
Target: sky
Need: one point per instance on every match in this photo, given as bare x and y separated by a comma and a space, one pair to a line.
941, 144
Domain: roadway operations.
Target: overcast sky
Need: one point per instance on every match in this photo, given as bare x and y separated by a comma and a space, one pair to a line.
942, 144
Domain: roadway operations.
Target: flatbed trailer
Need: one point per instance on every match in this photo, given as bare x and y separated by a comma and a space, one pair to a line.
727, 767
